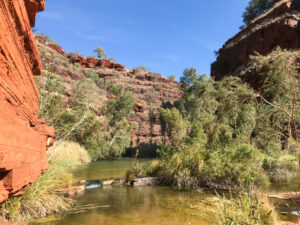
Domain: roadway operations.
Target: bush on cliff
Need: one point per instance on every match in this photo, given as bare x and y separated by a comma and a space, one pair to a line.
255, 8
43, 198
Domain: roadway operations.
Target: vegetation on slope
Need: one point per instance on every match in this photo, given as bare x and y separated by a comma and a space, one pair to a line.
255, 8
75, 118
220, 132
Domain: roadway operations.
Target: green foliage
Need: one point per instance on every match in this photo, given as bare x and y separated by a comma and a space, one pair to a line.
66, 64
142, 68
119, 107
172, 77
240, 131
173, 124
280, 90
111, 145
281, 167
190, 76
91, 74
74, 119
230, 164
101, 54
246, 208
76, 66
255, 8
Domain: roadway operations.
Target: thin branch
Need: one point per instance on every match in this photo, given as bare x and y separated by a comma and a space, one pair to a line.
275, 106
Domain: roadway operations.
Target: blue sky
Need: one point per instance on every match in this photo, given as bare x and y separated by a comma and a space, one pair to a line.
165, 36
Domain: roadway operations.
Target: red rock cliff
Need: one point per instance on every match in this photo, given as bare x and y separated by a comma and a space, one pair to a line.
23, 137
280, 26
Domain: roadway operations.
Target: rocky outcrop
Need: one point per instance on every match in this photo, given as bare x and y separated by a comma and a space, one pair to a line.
92, 62
85, 62
280, 26
150, 89
23, 137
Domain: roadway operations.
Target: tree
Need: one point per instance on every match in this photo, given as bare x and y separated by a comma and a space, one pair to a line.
120, 107
142, 68
101, 54
255, 8
189, 78
172, 77
173, 124
280, 90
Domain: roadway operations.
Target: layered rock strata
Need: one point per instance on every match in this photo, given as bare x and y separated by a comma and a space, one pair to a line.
280, 26
23, 136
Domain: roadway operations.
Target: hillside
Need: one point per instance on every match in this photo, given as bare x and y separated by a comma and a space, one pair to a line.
150, 89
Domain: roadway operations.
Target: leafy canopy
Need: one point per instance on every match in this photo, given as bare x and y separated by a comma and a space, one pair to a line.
255, 8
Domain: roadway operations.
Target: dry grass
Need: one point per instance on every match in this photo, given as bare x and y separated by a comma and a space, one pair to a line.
246, 208
43, 198
66, 152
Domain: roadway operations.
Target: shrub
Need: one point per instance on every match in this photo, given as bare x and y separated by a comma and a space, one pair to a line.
142, 68
66, 64
281, 168
172, 77
181, 166
228, 165
246, 208
76, 66
95, 77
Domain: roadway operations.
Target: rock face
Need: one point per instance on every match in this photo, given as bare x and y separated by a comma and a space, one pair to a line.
23, 137
150, 89
280, 26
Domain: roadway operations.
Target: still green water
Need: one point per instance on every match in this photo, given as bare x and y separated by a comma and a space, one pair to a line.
136, 205
124, 205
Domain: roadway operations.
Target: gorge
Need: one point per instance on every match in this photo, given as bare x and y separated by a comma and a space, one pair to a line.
206, 132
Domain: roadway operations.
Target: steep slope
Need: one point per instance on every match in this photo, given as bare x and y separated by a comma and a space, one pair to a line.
280, 26
23, 137
150, 89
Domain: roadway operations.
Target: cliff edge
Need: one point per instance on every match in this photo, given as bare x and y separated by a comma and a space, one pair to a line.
23, 137
280, 26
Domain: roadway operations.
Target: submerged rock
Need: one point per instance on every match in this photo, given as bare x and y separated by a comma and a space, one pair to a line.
92, 184
145, 181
